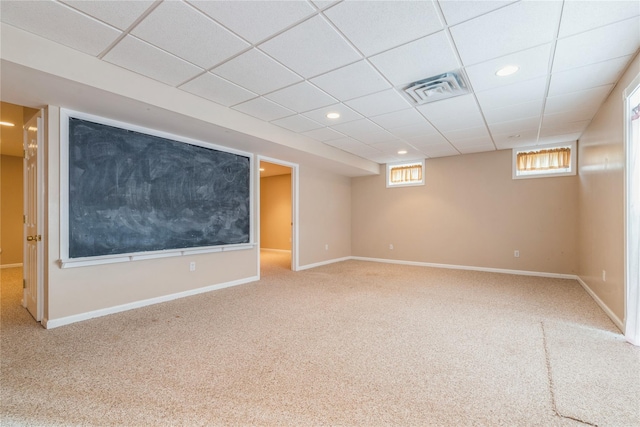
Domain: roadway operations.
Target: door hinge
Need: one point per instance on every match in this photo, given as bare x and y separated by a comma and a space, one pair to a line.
24, 154
24, 283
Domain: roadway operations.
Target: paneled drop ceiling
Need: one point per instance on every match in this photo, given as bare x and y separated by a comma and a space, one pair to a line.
290, 63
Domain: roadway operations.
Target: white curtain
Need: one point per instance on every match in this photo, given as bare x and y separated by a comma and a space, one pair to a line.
403, 174
557, 158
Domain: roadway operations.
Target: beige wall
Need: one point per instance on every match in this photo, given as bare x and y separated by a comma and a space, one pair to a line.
601, 199
470, 213
275, 212
11, 207
74, 291
325, 219
325, 216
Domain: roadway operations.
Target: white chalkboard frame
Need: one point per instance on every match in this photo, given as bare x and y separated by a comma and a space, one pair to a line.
67, 262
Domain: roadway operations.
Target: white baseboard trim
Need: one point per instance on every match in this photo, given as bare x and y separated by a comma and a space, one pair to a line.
321, 263
602, 305
284, 251
55, 323
11, 265
466, 267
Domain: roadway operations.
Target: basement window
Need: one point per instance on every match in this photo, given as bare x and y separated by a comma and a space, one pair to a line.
405, 174
544, 161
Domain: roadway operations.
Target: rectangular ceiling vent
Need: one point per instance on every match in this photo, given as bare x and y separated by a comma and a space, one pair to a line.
438, 87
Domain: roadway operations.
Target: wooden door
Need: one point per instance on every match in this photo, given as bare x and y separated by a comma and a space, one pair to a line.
32, 247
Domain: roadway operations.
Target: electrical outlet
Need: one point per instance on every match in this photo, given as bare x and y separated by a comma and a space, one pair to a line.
326, 247
604, 275
516, 253
391, 246
192, 266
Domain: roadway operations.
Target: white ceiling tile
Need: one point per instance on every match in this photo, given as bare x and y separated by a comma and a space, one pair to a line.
392, 147
508, 140
357, 128
423, 141
196, 34
264, 109
256, 72
346, 144
460, 112
324, 3
323, 134
533, 62
559, 139
217, 89
383, 158
400, 118
441, 150
564, 128
59, 23
477, 133
377, 137
612, 41
515, 94
586, 77
377, 26
516, 126
255, 20
297, 123
579, 16
346, 114
429, 56
457, 11
302, 97
143, 58
470, 149
574, 115
311, 48
120, 14
351, 81
513, 28
414, 131
375, 104
514, 112
585, 99
364, 151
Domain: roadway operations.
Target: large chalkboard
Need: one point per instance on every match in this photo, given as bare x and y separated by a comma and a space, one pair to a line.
132, 192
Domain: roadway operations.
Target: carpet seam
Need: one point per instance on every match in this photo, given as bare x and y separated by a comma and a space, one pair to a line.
551, 384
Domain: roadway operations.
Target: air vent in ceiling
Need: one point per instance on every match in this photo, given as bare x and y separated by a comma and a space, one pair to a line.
438, 87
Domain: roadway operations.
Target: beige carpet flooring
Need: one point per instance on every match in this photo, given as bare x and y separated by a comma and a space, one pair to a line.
347, 344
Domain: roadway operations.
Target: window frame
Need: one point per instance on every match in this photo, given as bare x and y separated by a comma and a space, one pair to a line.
390, 166
572, 145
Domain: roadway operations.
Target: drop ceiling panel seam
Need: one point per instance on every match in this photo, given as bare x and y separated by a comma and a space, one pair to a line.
261, 76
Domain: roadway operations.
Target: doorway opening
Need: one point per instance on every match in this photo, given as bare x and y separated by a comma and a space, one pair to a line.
277, 216
18, 157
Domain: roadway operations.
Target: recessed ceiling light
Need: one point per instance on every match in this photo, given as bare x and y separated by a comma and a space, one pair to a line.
507, 70
514, 136
6, 124
402, 152
333, 115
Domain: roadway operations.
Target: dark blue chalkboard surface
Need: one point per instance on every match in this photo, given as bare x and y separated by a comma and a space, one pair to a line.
131, 192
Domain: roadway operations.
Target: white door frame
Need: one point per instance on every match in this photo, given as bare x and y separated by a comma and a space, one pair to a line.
40, 117
294, 207
632, 226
